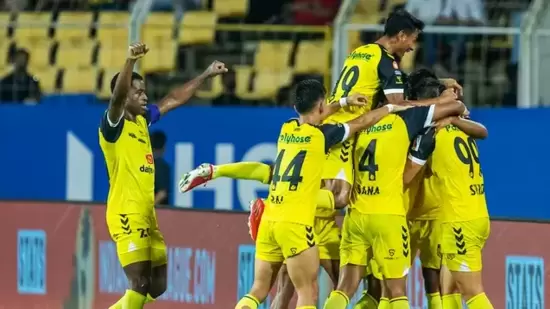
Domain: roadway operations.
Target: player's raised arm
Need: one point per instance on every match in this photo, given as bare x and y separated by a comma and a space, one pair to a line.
124, 82
470, 127
181, 95
420, 150
352, 100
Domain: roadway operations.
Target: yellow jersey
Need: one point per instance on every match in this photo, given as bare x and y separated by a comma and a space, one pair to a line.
381, 153
455, 163
371, 71
130, 164
427, 202
297, 171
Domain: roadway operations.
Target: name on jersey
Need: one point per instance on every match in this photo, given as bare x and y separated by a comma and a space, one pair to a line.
293, 139
379, 128
451, 128
359, 56
367, 190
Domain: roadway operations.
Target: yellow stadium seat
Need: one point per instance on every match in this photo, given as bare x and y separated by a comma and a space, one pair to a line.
266, 83
159, 26
273, 55
216, 89
47, 76
75, 54
83, 80
73, 26
197, 27
312, 57
161, 57
243, 74
104, 90
33, 26
231, 8
39, 52
112, 29
5, 19
112, 56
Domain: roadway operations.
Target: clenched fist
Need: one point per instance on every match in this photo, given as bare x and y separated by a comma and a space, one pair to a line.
137, 50
216, 68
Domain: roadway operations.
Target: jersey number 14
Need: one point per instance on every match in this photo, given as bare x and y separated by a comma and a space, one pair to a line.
292, 172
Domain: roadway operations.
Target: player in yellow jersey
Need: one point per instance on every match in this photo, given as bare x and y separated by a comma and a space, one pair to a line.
465, 228
286, 230
376, 222
130, 215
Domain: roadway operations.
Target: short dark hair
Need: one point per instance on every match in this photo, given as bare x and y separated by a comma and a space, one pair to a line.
415, 78
158, 140
306, 94
401, 20
135, 76
427, 89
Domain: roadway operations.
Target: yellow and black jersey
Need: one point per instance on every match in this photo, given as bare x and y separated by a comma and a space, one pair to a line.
369, 70
296, 178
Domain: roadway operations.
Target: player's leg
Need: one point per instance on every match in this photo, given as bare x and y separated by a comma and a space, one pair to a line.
428, 243
371, 295
133, 242
285, 290
241, 170
450, 295
328, 236
159, 259
391, 249
353, 260
269, 259
462, 243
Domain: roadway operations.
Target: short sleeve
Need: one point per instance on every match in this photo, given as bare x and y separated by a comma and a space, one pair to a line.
153, 114
417, 118
334, 134
422, 147
391, 76
111, 131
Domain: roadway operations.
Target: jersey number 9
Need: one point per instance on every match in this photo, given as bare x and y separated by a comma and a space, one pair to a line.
346, 81
367, 163
467, 153
292, 172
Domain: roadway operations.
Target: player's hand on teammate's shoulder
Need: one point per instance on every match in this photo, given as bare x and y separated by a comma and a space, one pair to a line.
356, 99
394, 108
137, 50
451, 83
216, 68
466, 113
448, 96
443, 122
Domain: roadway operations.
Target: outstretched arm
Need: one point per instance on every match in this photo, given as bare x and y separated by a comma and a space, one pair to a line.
470, 127
124, 82
181, 95
370, 118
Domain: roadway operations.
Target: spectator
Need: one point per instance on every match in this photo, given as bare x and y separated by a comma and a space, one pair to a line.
20, 86
162, 169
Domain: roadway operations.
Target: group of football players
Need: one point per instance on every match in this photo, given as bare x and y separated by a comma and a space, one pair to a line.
396, 152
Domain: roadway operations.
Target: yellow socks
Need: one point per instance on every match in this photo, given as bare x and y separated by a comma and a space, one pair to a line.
118, 304
248, 301
337, 300
399, 303
131, 300
366, 302
243, 170
451, 301
434, 301
325, 199
384, 303
480, 301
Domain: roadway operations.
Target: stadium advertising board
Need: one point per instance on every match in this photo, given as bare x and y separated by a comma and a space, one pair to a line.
60, 256
57, 146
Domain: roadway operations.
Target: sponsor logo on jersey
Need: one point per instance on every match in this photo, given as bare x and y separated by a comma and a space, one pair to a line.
293, 139
379, 128
146, 169
359, 56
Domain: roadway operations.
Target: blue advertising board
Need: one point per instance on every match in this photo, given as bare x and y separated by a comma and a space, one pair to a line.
51, 152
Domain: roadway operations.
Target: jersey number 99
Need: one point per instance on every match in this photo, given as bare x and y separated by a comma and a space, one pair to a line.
346, 81
292, 172
467, 153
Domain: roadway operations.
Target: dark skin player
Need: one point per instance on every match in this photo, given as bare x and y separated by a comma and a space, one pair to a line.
129, 99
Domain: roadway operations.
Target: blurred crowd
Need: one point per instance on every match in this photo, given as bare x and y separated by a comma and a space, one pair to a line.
485, 64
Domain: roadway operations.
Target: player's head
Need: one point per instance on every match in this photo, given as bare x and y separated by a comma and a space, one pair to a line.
136, 99
309, 98
158, 142
428, 88
403, 30
415, 78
